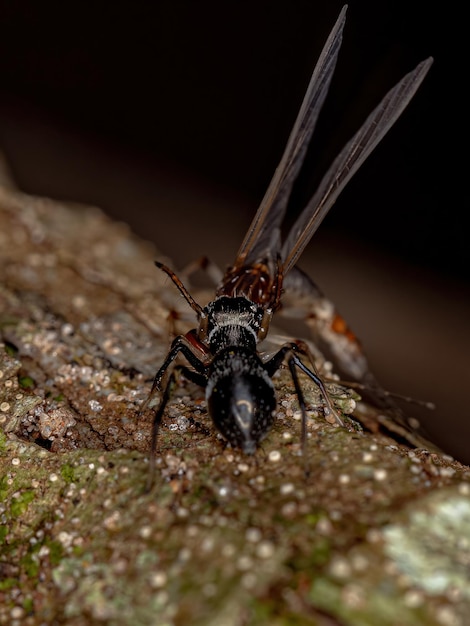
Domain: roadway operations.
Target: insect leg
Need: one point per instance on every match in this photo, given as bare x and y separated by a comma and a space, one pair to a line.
183, 345
194, 377
337, 343
319, 382
157, 419
303, 409
179, 345
303, 300
206, 265
291, 350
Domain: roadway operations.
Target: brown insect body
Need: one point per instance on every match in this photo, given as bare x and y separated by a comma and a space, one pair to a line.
222, 353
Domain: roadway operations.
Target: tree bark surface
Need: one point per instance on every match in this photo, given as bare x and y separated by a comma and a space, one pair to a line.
378, 533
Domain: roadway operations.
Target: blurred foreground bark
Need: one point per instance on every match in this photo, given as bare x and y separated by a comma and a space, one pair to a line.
378, 533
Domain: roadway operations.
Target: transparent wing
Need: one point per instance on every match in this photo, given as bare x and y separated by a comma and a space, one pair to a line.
266, 223
349, 161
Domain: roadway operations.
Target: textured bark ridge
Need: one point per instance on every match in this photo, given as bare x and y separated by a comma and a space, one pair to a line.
377, 534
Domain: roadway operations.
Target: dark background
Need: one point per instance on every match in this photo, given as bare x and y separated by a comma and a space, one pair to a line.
172, 116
